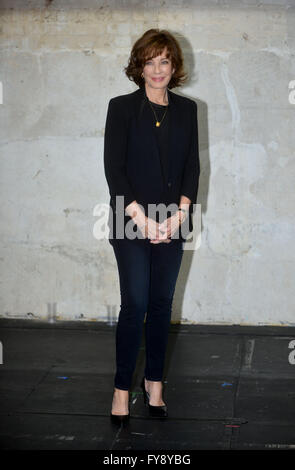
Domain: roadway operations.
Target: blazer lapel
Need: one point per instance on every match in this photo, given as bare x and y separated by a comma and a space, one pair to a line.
173, 128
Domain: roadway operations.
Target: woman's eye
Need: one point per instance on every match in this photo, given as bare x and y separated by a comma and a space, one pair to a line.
163, 62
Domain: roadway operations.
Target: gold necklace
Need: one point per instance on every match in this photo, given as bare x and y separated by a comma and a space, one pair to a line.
158, 123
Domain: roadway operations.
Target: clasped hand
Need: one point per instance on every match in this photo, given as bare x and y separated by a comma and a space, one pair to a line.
161, 233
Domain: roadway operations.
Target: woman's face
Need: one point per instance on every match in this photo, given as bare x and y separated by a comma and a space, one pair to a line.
157, 72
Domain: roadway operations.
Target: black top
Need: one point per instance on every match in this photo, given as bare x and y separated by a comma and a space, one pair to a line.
161, 132
135, 178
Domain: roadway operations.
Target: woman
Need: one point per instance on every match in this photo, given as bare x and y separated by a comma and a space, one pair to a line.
151, 160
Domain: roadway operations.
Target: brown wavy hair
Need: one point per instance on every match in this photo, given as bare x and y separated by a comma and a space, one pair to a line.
150, 45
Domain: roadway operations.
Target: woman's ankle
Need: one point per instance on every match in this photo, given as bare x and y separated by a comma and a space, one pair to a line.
121, 390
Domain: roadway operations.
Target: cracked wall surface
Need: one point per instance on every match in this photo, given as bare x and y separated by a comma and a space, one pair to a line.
61, 62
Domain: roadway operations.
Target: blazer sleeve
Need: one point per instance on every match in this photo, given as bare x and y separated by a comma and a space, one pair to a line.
190, 180
115, 149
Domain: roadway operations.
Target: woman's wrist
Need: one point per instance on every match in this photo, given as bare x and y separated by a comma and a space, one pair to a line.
134, 211
139, 218
182, 214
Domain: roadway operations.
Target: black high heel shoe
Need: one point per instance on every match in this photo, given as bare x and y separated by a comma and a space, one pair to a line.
154, 411
119, 419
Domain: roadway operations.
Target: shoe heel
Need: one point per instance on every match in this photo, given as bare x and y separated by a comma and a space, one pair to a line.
146, 396
154, 411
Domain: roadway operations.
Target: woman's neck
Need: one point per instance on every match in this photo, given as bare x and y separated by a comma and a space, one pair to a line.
159, 96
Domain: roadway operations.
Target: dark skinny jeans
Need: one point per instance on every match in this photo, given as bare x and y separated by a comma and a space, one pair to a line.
147, 274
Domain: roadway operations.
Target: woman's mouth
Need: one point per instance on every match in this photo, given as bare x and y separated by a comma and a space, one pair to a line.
157, 79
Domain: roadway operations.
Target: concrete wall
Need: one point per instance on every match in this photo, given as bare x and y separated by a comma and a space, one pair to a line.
61, 62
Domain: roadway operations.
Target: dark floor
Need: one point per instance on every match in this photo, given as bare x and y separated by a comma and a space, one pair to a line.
226, 387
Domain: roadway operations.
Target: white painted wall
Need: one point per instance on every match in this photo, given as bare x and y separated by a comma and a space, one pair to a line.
60, 65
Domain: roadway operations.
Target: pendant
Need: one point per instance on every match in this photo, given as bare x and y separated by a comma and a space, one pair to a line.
158, 124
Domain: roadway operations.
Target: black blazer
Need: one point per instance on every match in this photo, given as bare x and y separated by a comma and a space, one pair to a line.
131, 156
